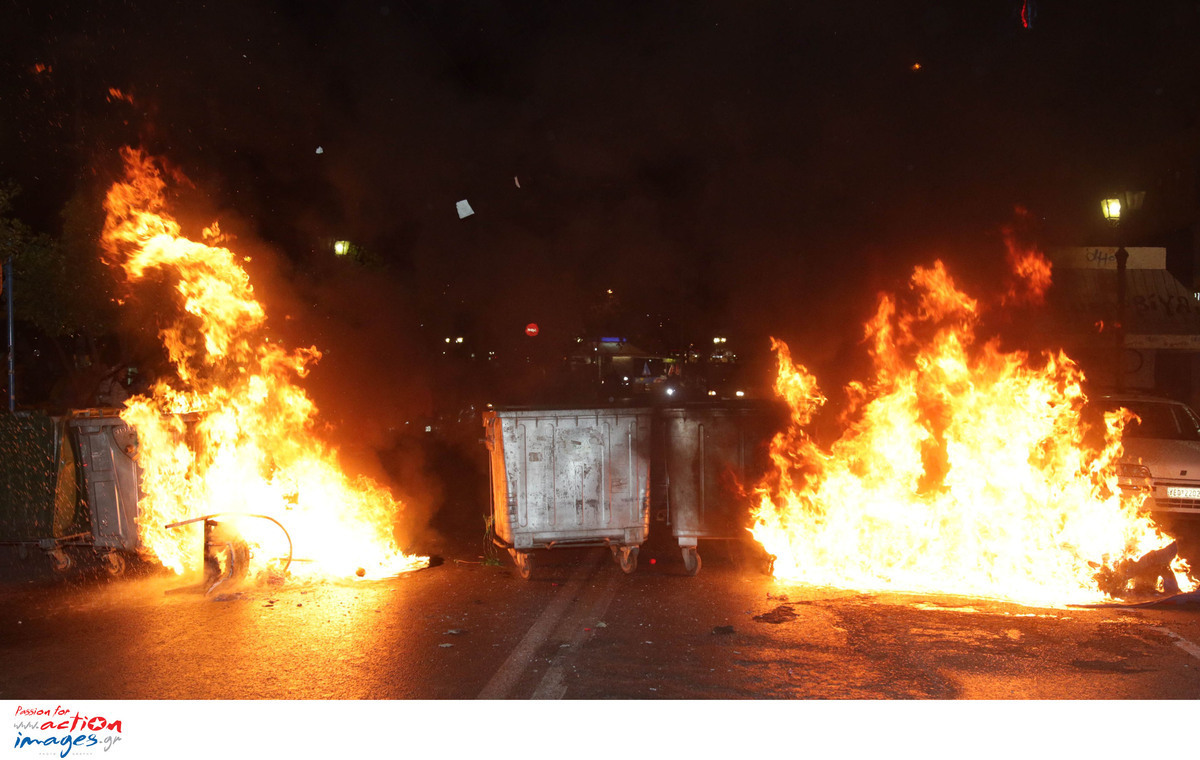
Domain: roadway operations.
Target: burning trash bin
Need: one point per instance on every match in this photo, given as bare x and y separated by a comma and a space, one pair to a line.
107, 455
39, 500
70, 482
713, 453
569, 478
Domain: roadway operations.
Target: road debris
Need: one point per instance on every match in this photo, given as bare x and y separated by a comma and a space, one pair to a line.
781, 614
1139, 578
723, 630
1185, 600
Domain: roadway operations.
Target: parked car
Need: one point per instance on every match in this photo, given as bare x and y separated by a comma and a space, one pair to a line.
1161, 452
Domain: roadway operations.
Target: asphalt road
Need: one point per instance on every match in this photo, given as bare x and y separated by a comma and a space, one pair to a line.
579, 629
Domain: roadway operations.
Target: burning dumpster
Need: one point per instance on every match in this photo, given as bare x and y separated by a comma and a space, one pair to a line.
713, 453
569, 477
38, 494
107, 455
69, 482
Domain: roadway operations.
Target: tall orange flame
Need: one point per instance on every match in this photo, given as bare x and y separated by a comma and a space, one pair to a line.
233, 433
963, 468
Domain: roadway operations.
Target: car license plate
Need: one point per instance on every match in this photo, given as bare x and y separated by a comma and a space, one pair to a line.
1183, 493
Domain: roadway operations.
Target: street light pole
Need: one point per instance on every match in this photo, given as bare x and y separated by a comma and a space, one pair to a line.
1119, 331
12, 352
1113, 209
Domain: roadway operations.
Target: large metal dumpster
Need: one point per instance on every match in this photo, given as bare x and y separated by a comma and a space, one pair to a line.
714, 453
569, 477
69, 482
38, 487
107, 450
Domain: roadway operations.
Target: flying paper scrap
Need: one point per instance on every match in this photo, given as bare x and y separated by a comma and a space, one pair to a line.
464, 209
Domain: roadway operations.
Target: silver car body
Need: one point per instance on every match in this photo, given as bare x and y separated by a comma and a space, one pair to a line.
1165, 440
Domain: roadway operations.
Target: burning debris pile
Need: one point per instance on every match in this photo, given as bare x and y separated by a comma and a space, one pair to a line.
960, 468
233, 433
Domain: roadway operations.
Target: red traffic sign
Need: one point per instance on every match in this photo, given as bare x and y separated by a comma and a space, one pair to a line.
531, 329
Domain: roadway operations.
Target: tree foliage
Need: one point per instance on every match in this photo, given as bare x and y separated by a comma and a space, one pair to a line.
61, 285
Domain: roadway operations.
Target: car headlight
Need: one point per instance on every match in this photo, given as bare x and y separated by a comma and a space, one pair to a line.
1133, 471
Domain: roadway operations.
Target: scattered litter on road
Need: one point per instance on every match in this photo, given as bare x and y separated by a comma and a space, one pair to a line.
454, 632
602, 624
445, 646
781, 614
464, 209
517, 182
723, 630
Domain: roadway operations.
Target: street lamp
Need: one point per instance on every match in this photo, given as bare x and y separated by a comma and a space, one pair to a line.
1112, 209
1127, 202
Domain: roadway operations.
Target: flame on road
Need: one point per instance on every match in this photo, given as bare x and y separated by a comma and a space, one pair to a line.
960, 468
232, 432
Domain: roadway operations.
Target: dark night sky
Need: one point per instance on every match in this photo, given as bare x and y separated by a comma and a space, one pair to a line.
761, 168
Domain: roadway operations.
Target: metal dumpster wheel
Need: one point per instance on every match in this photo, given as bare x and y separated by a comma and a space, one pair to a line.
114, 564
61, 561
691, 560
627, 558
523, 562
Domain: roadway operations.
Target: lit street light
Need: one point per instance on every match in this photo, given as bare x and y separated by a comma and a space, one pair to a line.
1113, 209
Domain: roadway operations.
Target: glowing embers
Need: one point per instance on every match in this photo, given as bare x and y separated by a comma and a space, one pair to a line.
233, 432
959, 468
